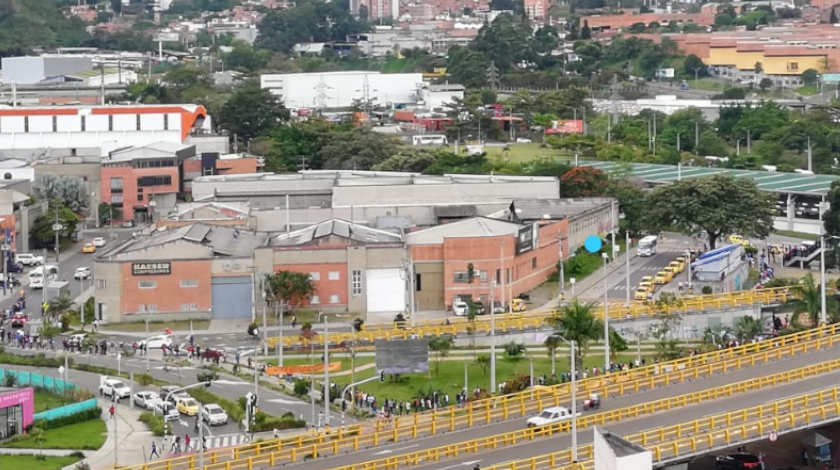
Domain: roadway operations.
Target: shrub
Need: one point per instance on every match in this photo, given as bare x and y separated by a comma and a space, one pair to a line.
706, 290
234, 411
144, 378
38, 360
86, 415
266, 422
301, 387
155, 423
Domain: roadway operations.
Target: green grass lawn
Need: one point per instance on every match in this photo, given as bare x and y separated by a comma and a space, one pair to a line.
450, 377
88, 435
520, 153
808, 90
47, 401
158, 326
29, 462
708, 84
804, 236
345, 361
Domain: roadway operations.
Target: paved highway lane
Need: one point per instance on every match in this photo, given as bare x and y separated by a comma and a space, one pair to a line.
609, 403
645, 423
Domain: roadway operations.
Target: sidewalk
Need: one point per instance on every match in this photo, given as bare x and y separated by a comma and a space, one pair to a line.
590, 281
45, 452
127, 436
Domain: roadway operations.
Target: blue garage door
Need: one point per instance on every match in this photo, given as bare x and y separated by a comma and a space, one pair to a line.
232, 297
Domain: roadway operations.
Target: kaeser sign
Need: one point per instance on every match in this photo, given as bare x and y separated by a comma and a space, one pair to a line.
148, 269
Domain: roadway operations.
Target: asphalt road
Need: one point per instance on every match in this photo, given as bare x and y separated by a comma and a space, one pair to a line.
228, 387
548, 445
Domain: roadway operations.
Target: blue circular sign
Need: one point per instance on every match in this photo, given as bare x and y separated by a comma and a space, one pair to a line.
593, 244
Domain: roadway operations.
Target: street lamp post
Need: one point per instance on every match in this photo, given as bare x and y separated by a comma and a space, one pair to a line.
606, 317
572, 352
492, 340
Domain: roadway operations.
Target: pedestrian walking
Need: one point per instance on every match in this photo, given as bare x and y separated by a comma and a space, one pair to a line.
195, 428
187, 442
111, 411
154, 451
176, 445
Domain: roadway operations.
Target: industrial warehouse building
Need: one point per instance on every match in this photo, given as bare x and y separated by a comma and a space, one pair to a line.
406, 240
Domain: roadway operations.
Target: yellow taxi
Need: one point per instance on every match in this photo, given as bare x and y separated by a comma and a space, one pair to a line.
89, 248
671, 270
646, 279
736, 239
682, 261
677, 266
647, 285
663, 277
641, 293
188, 406
518, 305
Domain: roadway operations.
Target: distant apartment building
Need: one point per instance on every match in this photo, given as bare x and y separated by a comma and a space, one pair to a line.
536, 9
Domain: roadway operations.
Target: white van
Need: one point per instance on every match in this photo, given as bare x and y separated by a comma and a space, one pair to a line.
43, 276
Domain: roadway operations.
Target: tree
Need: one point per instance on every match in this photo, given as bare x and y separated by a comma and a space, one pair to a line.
250, 112
42, 231
759, 67
617, 343
694, 65
718, 205
765, 83
576, 322
552, 343
809, 301
408, 160
810, 76
186, 76
68, 191
583, 182
514, 351
586, 32
483, 361
59, 306
440, 347
746, 328
831, 218
289, 286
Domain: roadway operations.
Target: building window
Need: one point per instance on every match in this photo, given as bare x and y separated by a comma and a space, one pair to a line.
138, 122
84, 123
418, 282
26, 124
55, 123
793, 65
534, 262
140, 197
166, 122
147, 284
152, 307
193, 307
315, 276
357, 282
334, 276
111, 123
185, 307
334, 299
141, 308
116, 199
498, 276
100, 283
189, 282
315, 299
461, 277
145, 181
116, 183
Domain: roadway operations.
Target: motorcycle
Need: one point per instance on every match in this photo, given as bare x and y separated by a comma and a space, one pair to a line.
592, 403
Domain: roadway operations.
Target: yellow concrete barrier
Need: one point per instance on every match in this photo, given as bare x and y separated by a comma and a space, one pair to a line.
535, 319
707, 433
411, 427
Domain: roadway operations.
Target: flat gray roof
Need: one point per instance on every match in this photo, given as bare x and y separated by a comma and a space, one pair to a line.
777, 182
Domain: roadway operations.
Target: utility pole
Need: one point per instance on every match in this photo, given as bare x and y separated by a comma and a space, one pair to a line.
326, 372
265, 320
7, 259
57, 228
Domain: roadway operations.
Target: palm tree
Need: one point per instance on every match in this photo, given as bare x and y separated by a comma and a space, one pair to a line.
809, 301
576, 322
747, 327
552, 343
60, 305
289, 286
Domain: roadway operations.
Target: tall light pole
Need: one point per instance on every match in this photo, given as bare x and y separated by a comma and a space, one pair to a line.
492, 340
572, 352
823, 313
326, 372
622, 216
606, 316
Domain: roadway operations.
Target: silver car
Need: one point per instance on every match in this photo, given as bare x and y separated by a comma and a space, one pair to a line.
214, 414
146, 400
167, 410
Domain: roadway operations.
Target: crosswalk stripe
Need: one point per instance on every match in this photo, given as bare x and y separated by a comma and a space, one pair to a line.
228, 440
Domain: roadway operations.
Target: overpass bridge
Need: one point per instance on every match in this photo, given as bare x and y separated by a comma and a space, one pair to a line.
787, 365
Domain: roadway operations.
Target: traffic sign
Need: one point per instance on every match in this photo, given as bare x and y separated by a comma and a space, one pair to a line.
5, 247
57, 227
773, 436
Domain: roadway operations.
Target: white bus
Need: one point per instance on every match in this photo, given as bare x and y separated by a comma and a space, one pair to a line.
647, 246
429, 140
43, 276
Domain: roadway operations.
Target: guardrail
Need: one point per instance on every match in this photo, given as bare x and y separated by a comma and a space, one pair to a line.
533, 319
600, 419
411, 427
721, 431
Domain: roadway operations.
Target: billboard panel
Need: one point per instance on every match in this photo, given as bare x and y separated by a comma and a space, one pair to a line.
566, 126
830, 78
166, 37
403, 356
525, 239
666, 73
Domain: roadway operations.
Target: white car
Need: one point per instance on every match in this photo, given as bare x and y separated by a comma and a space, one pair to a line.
116, 387
99, 241
155, 342
552, 415
460, 308
82, 273
28, 259
167, 410
214, 414
147, 400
